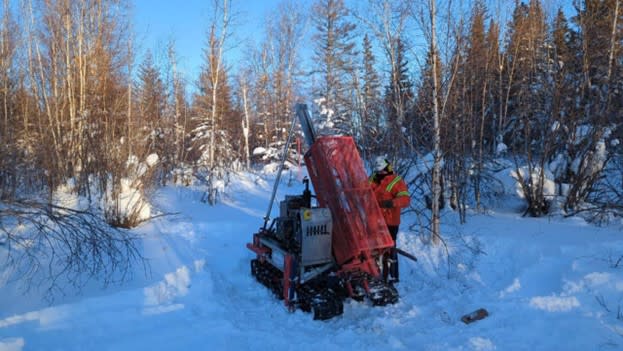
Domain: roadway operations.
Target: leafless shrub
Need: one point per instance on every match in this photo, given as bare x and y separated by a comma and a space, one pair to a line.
54, 248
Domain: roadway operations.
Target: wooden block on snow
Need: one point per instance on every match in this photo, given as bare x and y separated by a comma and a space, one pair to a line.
479, 314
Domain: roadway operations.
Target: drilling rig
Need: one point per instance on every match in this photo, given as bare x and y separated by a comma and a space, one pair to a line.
325, 248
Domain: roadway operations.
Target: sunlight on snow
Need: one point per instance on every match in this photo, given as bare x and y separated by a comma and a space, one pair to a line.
481, 344
12, 344
159, 297
245, 208
46, 317
174, 284
515, 286
555, 303
597, 278
591, 280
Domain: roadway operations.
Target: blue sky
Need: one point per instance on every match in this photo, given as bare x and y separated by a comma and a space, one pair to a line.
158, 21
186, 22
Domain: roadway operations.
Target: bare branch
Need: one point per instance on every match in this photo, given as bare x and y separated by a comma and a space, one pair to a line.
52, 247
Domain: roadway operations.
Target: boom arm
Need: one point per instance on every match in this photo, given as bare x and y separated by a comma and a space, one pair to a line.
283, 161
306, 124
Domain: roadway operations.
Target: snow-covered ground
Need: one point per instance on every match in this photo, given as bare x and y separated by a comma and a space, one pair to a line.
548, 284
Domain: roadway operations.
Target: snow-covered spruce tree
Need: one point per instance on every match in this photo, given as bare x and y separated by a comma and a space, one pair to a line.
334, 57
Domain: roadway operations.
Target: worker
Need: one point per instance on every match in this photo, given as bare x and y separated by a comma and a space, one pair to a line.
392, 195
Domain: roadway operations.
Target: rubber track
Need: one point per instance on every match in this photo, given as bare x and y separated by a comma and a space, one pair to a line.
317, 296
311, 297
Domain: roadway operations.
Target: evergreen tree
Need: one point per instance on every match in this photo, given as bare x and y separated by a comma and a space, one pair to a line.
334, 55
423, 112
371, 103
152, 98
398, 101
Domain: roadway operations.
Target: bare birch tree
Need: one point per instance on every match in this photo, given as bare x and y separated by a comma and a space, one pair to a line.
436, 180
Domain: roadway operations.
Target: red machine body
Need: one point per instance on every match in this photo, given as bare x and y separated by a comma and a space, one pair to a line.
314, 257
360, 234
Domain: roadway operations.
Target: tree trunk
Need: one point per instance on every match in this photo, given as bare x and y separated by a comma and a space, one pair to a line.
436, 176
246, 121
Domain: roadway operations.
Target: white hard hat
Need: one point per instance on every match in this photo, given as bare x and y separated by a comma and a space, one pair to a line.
380, 163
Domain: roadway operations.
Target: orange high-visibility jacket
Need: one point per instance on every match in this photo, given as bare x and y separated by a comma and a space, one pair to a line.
392, 187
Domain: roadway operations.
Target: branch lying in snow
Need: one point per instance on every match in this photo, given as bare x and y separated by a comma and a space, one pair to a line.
53, 247
161, 215
600, 299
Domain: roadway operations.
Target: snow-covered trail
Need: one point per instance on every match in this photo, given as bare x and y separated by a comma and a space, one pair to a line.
548, 284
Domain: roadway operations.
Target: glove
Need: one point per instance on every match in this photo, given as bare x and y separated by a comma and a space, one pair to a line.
386, 204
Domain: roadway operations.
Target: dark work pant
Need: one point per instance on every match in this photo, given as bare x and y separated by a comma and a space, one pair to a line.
393, 268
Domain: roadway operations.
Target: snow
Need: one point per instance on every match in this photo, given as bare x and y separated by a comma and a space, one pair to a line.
259, 151
65, 196
547, 283
554, 303
549, 186
130, 201
152, 160
500, 149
